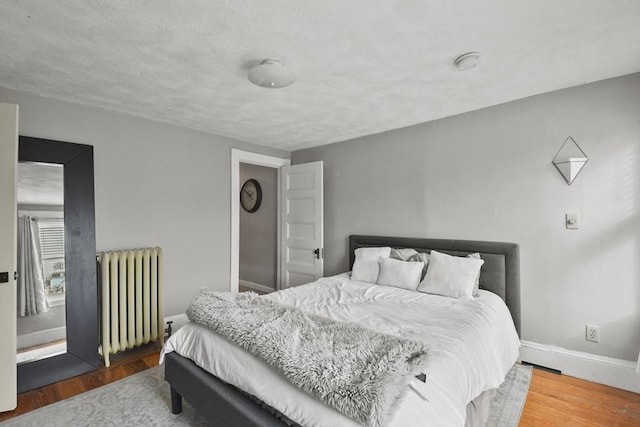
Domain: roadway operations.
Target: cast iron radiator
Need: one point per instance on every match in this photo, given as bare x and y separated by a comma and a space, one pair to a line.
131, 299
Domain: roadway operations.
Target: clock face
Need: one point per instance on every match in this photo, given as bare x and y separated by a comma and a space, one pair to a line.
251, 195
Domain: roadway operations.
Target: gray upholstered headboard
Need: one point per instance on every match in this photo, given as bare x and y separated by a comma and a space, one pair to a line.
500, 272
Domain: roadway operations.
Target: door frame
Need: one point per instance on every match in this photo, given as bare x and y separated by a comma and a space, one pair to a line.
9, 126
237, 157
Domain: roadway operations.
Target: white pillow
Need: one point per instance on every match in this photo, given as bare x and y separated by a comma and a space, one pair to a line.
366, 267
409, 254
401, 274
451, 276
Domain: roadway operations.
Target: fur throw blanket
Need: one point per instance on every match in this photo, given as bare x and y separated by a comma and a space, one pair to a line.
357, 371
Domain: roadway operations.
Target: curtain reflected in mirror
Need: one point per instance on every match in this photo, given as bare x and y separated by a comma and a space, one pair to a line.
41, 323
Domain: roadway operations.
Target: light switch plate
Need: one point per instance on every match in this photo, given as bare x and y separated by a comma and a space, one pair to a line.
571, 221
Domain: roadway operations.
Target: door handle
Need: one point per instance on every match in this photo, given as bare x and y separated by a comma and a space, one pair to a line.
319, 253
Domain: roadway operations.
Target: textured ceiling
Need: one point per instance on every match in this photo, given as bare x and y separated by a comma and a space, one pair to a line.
363, 67
40, 184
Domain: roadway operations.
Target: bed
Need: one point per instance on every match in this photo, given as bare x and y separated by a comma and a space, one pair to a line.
224, 404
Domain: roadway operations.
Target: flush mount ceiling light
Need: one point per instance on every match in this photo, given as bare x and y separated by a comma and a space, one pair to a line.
467, 61
271, 74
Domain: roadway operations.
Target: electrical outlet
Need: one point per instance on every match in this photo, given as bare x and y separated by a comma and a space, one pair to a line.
592, 333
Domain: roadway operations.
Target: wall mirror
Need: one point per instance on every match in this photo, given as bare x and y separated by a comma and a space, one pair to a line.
76, 277
570, 160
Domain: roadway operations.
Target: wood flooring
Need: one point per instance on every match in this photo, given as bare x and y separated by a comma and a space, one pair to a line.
561, 400
553, 400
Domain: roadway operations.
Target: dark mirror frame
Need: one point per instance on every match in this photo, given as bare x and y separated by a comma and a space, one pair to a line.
80, 263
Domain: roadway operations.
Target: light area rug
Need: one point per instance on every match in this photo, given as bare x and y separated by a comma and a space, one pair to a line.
508, 402
143, 400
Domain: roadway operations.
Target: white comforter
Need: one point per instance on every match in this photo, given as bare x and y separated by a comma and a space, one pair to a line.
473, 344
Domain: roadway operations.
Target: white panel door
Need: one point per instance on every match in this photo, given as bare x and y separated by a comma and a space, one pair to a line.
302, 257
8, 254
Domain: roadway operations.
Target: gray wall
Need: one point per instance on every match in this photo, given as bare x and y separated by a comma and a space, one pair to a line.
487, 175
155, 185
258, 230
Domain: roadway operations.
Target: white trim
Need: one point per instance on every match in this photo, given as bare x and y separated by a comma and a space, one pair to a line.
591, 367
41, 337
237, 157
41, 214
41, 353
256, 286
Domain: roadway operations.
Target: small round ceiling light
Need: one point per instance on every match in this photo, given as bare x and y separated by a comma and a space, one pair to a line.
271, 74
467, 61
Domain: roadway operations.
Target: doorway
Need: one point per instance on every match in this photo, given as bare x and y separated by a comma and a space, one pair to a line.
239, 157
258, 263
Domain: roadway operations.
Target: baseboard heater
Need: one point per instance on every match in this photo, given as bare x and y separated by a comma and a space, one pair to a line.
131, 299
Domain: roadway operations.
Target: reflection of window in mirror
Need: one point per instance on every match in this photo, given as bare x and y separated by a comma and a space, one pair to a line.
41, 323
51, 233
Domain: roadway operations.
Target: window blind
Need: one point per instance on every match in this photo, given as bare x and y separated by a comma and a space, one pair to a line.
51, 232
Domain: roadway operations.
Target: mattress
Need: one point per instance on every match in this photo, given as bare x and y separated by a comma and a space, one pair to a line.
472, 346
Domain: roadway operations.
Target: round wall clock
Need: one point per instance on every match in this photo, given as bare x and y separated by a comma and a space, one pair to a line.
251, 195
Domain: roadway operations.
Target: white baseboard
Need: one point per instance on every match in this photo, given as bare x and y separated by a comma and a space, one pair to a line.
599, 369
40, 353
41, 337
256, 286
